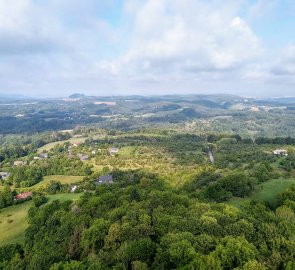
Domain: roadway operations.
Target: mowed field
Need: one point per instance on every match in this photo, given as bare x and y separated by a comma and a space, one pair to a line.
49, 146
266, 192
63, 179
13, 219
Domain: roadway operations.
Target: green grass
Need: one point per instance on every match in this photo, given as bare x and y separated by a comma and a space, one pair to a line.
49, 146
64, 197
14, 232
126, 151
63, 179
266, 191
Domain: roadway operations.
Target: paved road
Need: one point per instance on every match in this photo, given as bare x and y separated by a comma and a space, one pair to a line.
211, 157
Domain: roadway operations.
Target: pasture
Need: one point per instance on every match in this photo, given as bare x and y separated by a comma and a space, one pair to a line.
266, 191
63, 179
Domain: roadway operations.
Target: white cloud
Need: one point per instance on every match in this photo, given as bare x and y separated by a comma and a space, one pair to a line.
159, 45
185, 37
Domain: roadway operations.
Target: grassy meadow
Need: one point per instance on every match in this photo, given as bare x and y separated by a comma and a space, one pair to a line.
13, 219
266, 191
63, 179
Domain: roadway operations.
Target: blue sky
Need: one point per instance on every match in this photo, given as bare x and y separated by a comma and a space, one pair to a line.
58, 47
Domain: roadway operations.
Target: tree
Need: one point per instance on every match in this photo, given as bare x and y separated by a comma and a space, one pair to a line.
93, 238
235, 252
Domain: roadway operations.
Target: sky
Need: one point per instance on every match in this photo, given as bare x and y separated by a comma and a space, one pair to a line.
51, 48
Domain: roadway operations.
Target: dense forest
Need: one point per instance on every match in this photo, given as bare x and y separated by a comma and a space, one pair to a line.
143, 223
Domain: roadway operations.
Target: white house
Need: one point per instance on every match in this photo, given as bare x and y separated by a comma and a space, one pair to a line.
280, 152
113, 150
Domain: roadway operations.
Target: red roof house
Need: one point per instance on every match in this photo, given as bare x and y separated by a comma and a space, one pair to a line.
24, 195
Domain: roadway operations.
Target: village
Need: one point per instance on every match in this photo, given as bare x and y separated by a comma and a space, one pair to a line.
89, 153
75, 151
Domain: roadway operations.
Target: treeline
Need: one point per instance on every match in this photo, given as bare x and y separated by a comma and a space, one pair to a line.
211, 185
142, 223
13, 151
6, 197
213, 138
14, 148
185, 148
29, 175
277, 140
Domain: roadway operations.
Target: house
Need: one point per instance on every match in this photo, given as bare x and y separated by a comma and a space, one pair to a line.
36, 158
23, 196
76, 144
113, 151
4, 175
73, 188
104, 179
83, 157
43, 155
280, 152
18, 163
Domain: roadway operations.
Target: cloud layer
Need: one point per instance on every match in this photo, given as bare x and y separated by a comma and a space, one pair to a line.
56, 47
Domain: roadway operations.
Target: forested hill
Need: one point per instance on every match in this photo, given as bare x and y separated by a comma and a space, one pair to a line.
220, 113
143, 223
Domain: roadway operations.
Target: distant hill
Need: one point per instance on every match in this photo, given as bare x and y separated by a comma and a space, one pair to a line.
12, 96
76, 95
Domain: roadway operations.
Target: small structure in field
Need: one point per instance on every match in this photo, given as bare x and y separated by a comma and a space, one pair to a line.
18, 163
104, 179
4, 175
23, 196
280, 152
73, 188
113, 151
43, 155
83, 157
76, 144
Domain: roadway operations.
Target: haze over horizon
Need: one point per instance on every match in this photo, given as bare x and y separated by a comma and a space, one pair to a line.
54, 48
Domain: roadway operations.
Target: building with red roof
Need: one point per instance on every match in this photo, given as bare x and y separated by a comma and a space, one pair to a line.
24, 195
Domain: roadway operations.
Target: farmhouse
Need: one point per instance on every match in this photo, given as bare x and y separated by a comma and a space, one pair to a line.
23, 196
83, 157
43, 155
18, 163
4, 175
104, 179
73, 188
76, 144
280, 152
113, 150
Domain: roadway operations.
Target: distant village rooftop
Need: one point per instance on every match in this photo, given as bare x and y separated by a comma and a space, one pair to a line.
280, 152
24, 195
104, 179
4, 175
113, 150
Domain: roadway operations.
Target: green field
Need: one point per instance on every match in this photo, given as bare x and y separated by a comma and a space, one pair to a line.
13, 219
126, 151
266, 191
49, 146
63, 179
